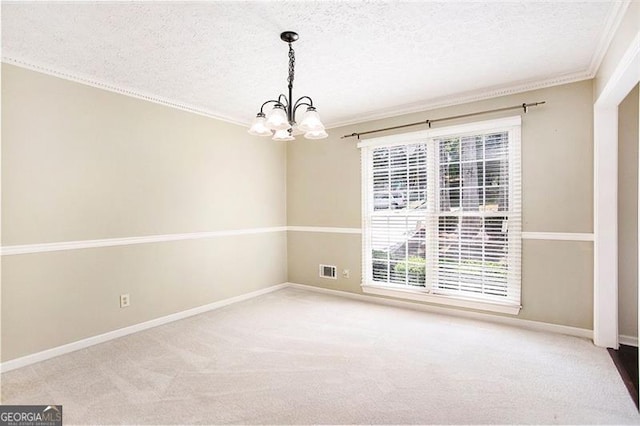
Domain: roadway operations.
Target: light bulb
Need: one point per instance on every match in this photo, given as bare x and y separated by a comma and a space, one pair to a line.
277, 118
258, 127
311, 121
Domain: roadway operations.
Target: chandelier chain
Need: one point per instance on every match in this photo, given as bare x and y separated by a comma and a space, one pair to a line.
292, 64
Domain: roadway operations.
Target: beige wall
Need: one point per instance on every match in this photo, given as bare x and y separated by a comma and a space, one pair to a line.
81, 163
323, 189
628, 215
60, 297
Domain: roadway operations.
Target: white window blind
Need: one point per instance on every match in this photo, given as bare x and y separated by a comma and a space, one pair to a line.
442, 212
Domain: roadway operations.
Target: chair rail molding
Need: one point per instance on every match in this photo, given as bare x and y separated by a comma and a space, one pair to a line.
12, 250
110, 242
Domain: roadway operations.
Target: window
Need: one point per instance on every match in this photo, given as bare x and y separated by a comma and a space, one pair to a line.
442, 215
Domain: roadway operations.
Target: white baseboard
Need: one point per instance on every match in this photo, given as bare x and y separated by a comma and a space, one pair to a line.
628, 340
419, 296
101, 338
522, 323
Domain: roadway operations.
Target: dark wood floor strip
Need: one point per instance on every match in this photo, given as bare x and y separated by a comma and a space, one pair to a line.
626, 361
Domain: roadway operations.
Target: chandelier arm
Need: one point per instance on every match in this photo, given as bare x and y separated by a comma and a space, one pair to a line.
299, 104
268, 102
286, 101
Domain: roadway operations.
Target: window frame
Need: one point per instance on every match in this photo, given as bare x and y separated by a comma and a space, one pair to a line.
512, 125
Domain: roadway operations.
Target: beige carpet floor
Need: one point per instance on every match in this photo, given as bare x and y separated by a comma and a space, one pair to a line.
298, 357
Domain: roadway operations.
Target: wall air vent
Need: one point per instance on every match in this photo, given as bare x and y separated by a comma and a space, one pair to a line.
328, 271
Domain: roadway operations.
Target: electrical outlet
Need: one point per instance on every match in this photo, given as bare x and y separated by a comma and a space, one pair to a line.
124, 300
346, 273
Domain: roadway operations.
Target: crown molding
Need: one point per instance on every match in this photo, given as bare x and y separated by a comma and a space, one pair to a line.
122, 90
395, 111
613, 21
468, 97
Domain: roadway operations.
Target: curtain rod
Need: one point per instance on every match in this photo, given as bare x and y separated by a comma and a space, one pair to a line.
429, 122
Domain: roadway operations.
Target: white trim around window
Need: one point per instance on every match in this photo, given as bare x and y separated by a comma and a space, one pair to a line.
418, 224
421, 296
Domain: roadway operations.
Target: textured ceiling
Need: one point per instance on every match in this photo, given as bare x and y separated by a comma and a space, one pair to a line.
357, 60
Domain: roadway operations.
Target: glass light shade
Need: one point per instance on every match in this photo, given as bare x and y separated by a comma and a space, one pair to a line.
311, 121
295, 131
258, 127
277, 119
283, 135
316, 134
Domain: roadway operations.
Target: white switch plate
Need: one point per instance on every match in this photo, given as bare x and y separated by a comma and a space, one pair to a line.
346, 273
124, 300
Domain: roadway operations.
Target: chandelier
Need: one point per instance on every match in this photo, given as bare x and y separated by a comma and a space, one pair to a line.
280, 121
